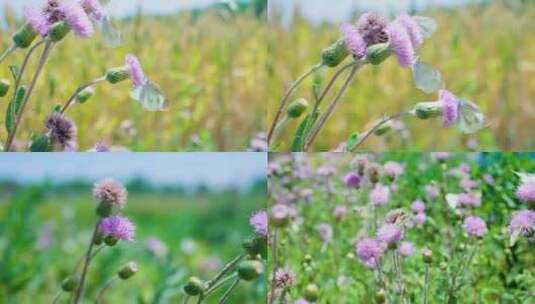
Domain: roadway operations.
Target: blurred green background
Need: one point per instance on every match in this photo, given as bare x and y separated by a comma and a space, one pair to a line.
208, 61
45, 226
483, 50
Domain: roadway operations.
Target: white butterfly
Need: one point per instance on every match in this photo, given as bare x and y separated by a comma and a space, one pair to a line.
428, 26
149, 96
426, 78
471, 119
526, 177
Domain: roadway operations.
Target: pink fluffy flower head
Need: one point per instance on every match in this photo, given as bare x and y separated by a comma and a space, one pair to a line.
61, 130
406, 249
284, 278
77, 18
42, 18
135, 70
379, 195
118, 227
354, 41
393, 169
401, 44
418, 206
389, 234
259, 222
469, 199
339, 212
450, 107
372, 28
110, 192
526, 192
369, 252
474, 226
352, 180
522, 222
325, 232
420, 218
413, 29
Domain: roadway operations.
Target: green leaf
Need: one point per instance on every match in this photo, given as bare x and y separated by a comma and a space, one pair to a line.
15, 71
298, 144
14, 107
40, 143
353, 139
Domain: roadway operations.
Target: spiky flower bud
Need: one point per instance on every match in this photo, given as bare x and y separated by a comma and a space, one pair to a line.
427, 255
24, 37
427, 110
383, 129
85, 94
374, 173
4, 87
58, 31
255, 245
334, 54
307, 259
117, 75
311, 293
380, 296
110, 240
250, 270
279, 215
297, 107
70, 283
378, 53
194, 286
128, 270
99, 238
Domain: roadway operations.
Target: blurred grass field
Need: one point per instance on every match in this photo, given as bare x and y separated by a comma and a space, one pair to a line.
202, 229
209, 64
484, 52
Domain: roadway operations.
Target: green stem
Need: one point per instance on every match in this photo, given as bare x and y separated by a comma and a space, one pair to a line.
186, 299
286, 97
280, 126
426, 282
80, 289
8, 52
375, 127
57, 297
220, 283
274, 267
225, 270
25, 62
321, 121
40, 65
226, 295
69, 101
104, 288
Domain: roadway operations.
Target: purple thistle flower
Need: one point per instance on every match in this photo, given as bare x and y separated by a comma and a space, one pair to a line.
406, 249
393, 169
325, 231
526, 192
389, 233
156, 246
93, 8
379, 195
259, 222
401, 44
352, 180
372, 28
420, 218
118, 227
432, 191
339, 212
469, 199
77, 19
369, 252
61, 130
450, 107
37, 20
284, 278
354, 42
135, 70
522, 222
413, 29
418, 206
475, 226
110, 191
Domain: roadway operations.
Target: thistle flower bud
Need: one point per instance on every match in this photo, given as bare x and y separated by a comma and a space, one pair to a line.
297, 107
24, 37
99, 238
117, 75
59, 30
307, 259
427, 110
334, 54
255, 245
378, 53
104, 209
70, 283
128, 270
279, 215
373, 173
427, 256
84, 95
380, 296
194, 286
110, 240
311, 293
4, 87
250, 270
382, 130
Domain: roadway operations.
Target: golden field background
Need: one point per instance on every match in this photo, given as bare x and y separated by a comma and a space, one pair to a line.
208, 65
486, 54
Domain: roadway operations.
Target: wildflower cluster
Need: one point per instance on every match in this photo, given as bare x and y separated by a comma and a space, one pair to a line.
46, 26
371, 41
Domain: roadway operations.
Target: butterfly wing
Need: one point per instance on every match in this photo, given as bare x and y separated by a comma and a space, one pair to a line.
426, 78
471, 119
149, 96
428, 26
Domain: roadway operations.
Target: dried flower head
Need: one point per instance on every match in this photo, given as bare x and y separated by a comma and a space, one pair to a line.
110, 191
61, 130
284, 278
259, 222
118, 227
474, 226
372, 27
